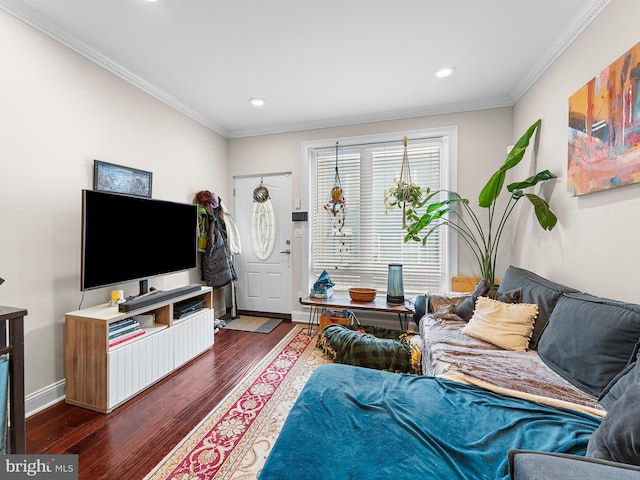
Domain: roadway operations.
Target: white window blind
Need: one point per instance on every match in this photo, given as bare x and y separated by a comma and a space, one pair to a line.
357, 253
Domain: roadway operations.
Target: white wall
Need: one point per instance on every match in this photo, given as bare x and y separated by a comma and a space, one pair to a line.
59, 112
483, 137
594, 247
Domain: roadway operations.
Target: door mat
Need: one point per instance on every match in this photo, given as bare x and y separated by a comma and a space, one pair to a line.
253, 324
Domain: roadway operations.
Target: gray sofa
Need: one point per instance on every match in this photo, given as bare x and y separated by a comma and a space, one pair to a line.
584, 346
529, 465
560, 402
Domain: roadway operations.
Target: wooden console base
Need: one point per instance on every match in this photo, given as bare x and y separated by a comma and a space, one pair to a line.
99, 377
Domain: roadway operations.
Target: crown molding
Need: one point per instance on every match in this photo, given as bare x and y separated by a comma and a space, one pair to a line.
375, 118
33, 18
580, 23
38, 21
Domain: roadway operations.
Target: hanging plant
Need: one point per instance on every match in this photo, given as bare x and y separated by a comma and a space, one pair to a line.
337, 207
338, 212
405, 196
404, 193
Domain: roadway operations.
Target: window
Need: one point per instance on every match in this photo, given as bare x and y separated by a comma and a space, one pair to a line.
357, 252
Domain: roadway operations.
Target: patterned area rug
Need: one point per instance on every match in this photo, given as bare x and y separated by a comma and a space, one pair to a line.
253, 324
234, 440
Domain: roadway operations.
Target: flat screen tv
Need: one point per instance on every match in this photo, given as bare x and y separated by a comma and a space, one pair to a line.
126, 238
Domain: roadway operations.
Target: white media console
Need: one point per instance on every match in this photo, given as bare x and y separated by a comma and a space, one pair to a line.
101, 377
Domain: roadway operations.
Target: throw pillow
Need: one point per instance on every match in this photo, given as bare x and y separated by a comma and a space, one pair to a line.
618, 436
465, 308
512, 296
506, 325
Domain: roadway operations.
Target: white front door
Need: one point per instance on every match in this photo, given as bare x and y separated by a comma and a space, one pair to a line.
264, 224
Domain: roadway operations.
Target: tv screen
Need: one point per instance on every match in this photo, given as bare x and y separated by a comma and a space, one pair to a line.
127, 238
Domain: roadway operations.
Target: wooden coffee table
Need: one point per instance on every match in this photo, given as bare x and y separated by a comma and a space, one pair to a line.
343, 301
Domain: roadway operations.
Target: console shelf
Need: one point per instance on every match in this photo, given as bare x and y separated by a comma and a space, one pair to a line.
101, 378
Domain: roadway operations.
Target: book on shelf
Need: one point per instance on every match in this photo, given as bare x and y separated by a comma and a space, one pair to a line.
126, 338
121, 323
124, 331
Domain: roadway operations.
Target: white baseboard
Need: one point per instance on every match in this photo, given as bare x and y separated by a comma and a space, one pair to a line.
44, 398
300, 316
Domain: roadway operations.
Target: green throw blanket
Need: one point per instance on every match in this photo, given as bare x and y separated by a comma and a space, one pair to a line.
372, 347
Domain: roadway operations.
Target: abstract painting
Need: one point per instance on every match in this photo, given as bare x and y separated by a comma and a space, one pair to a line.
604, 128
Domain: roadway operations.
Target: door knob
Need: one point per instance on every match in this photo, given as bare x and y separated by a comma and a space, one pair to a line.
286, 251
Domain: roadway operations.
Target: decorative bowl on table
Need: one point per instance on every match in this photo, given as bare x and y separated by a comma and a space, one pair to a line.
362, 294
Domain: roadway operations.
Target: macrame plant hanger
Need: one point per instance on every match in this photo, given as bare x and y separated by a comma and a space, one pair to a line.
337, 196
337, 207
405, 182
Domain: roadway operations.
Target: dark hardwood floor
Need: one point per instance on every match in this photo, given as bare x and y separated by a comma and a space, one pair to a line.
127, 443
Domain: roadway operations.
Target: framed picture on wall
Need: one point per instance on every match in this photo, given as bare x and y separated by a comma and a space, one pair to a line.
604, 128
109, 177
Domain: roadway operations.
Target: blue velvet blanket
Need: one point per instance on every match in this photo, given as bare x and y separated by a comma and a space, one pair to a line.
4, 397
356, 423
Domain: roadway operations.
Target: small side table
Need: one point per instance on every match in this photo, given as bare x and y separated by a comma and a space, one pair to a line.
12, 321
343, 301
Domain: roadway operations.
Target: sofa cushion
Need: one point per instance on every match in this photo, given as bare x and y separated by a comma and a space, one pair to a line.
535, 465
507, 325
465, 308
510, 296
450, 299
420, 307
535, 289
589, 340
618, 436
620, 383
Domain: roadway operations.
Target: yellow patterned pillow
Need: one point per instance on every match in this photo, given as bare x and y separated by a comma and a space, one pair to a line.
506, 325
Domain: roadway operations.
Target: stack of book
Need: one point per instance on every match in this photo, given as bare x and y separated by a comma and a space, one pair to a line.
124, 330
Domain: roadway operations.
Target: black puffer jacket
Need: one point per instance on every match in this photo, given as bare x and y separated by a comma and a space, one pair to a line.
217, 267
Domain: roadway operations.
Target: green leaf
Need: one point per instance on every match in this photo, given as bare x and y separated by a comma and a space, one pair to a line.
426, 220
445, 204
492, 189
517, 152
531, 181
546, 218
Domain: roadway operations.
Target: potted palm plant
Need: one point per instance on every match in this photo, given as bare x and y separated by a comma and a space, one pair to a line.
454, 211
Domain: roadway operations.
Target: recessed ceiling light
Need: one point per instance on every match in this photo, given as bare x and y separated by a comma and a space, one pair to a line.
445, 72
257, 101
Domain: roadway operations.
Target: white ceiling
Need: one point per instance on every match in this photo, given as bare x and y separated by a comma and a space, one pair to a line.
317, 63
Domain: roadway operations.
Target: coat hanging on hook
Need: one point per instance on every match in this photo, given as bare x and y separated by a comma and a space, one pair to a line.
217, 266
